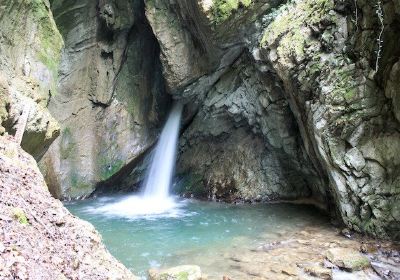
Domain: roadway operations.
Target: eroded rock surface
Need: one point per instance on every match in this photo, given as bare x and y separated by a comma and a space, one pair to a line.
39, 238
30, 47
338, 99
315, 253
303, 107
111, 99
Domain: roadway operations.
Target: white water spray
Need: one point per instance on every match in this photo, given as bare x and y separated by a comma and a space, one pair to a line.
155, 198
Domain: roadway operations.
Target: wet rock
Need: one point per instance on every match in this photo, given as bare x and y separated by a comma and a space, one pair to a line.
355, 159
290, 271
183, 272
387, 270
319, 271
347, 258
348, 147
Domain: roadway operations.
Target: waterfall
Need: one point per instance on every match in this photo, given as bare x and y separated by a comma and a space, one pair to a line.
158, 179
155, 199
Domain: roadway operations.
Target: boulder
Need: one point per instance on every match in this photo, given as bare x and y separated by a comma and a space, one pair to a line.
182, 272
348, 259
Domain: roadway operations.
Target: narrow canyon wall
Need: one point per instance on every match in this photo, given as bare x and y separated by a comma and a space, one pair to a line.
111, 100
39, 238
30, 47
336, 89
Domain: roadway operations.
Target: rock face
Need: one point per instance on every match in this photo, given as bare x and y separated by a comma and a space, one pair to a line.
242, 141
30, 47
39, 238
287, 103
111, 98
337, 93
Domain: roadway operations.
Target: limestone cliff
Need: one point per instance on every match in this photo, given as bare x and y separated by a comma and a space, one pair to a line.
111, 100
336, 87
30, 47
289, 100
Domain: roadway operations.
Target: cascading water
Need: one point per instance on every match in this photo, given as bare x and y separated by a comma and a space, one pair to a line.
161, 169
155, 198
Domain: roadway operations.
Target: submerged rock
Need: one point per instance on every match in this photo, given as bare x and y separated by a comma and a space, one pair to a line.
318, 271
182, 272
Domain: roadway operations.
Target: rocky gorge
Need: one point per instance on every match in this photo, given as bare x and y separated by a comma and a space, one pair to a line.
284, 101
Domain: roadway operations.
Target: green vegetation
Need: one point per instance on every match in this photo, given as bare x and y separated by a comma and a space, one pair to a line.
50, 39
191, 184
221, 10
79, 186
289, 33
183, 275
291, 18
67, 143
20, 216
109, 167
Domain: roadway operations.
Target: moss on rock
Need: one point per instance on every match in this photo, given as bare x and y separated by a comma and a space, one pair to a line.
20, 216
50, 39
108, 167
191, 184
221, 10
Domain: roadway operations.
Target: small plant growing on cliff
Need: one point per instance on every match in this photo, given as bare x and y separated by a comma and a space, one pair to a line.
20, 216
379, 13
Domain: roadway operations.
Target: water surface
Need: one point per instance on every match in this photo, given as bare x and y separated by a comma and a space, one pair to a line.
193, 232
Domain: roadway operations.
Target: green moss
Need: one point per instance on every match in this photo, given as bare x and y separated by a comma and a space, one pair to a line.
290, 18
20, 216
191, 184
292, 44
182, 275
50, 39
109, 167
79, 186
67, 143
221, 10
357, 263
342, 81
350, 94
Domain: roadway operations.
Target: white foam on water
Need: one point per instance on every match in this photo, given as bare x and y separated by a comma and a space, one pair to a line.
141, 207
